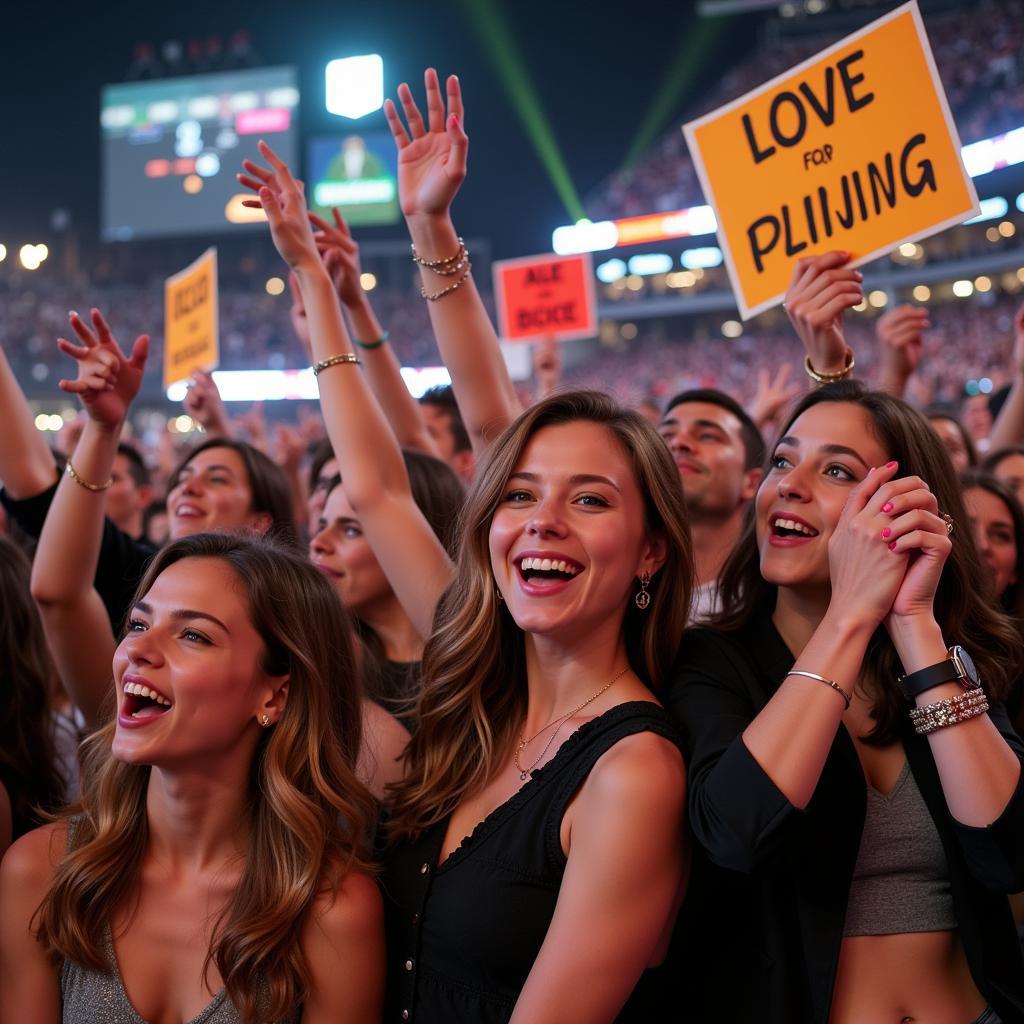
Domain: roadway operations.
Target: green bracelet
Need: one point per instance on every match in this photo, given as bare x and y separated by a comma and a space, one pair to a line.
372, 344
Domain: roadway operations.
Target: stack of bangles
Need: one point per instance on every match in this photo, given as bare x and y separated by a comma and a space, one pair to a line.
448, 267
823, 377
950, 711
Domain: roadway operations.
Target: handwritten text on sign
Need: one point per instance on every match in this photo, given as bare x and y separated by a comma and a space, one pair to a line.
539, 296
854, 149
190, 319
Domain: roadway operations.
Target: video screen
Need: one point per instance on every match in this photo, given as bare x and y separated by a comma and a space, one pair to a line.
358, 173
171, 149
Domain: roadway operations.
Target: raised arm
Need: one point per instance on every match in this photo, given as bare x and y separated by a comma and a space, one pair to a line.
369, 458
26, 464
431, 167
900, 337
69, 547
383, 372
1008, 428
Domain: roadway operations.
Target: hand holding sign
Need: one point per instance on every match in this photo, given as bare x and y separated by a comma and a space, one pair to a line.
108, 379
431, 157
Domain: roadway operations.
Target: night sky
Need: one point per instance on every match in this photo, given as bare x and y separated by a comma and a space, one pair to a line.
596, 67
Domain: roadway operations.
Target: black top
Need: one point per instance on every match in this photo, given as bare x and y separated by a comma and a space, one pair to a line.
463, 936
122, 561
763, 921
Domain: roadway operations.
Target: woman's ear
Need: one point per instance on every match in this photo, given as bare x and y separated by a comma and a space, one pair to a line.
654, 554
276, 698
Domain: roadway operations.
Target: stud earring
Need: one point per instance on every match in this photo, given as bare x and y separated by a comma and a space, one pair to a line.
265, 721
642, 598
499, 595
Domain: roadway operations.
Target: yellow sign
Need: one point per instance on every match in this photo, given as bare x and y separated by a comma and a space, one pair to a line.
190, 319
854, 149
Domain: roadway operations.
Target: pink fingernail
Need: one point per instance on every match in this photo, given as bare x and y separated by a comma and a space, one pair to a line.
891, 465
887, 532
887, 507
892, 546
871, 470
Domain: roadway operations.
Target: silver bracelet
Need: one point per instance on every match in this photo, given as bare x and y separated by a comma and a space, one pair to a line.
821, 679
952, 711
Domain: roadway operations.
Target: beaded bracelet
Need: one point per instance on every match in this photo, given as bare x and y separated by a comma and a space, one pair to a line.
69, 470
434, 264
434, 296
348, 357
951, 711
372, 344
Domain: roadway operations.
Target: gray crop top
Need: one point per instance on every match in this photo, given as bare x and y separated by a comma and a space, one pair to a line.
901, 878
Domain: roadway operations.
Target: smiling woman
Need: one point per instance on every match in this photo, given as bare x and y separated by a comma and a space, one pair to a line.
216, 864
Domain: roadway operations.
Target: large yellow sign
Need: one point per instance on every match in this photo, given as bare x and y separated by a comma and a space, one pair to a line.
190, 319
854, 149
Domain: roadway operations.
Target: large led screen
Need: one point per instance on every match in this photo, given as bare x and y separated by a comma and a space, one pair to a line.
356, 172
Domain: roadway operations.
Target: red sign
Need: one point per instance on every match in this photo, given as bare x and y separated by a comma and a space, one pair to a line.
545, 296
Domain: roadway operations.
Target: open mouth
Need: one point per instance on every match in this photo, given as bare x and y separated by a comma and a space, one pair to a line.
185, 510
141, 702
782, 526
538, 570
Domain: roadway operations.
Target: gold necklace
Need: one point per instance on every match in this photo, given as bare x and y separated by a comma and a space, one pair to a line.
524, 773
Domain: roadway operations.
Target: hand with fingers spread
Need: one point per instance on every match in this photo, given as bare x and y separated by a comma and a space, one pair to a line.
203, 403
289, 448
821, 290
773, 394
282, 198
900, 331
341, 257
431, 156
108, 379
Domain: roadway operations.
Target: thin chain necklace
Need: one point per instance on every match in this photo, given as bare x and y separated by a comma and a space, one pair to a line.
524, 773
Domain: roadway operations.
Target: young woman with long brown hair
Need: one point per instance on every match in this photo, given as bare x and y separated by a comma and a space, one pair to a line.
859, 788
215, 869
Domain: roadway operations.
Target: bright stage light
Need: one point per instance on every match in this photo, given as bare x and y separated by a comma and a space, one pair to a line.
702, 257
610, 271
991, 209
3, 252
647, 263
355, 85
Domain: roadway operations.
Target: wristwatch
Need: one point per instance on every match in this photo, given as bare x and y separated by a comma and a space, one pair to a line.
957, 668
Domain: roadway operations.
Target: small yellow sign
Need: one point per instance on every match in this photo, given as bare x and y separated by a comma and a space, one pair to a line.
190, 319
854, 149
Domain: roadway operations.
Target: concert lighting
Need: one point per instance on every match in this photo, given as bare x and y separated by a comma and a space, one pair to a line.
610, 271
1019, 202
3, 252
648, 263
701, 258
991, 209
354, 86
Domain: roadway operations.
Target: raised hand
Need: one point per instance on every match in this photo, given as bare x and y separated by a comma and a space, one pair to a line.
821, 290
431, 156
283, 200
919, 533
773, 394
108, 379
547, 365
900, 331
203, 403
341, 256
1018, 340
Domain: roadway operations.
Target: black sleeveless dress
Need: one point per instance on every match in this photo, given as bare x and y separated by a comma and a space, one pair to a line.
463, 936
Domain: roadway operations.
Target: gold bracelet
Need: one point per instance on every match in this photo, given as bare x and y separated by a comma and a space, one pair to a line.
434, 264
69, 470
823, 377
348, 357
821, 679
434, 296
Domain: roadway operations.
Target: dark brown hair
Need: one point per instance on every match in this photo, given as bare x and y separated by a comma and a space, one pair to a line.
960, 606
1012, 599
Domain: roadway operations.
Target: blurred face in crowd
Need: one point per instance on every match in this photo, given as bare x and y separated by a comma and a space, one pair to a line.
315, 505
1010, 470
953, 442
993, 533
976, 418
213, 493
189, 676
567, 541
438, 421
706, 442
825, 453
341, 552
126, 500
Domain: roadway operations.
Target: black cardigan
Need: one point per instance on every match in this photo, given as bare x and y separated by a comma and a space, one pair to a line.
763, 921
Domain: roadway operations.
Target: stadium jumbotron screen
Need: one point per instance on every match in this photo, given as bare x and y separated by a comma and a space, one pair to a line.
358, 173
171, 149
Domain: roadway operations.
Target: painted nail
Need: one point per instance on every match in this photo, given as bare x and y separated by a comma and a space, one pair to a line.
887, 507
887, 532
891, 465
892, 546
871, 470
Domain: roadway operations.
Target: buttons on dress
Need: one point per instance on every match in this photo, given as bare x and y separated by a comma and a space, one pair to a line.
409, 965
416, 918
406, 1015
424, 868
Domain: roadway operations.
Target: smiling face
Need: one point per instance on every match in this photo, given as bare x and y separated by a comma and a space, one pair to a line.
567, 541
317, 497
826, 452
188, 673
994, 534
341, 552
706, 441
213, 493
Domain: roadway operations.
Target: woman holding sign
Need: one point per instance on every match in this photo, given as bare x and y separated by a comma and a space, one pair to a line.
856, 785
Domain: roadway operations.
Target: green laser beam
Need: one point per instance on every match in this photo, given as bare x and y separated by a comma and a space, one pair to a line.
694, 49
499, 42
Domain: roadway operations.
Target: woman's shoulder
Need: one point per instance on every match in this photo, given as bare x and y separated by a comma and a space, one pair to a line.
641, 766
347, 911
30, 862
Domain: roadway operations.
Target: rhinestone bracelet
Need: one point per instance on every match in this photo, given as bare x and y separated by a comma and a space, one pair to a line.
952, 711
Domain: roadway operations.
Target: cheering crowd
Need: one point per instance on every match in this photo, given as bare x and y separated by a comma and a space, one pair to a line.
506, 707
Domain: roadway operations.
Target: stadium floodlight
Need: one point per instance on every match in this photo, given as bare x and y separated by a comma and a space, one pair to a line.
1020, 202
648, 263
355, 85
702, 258
610, 271
991, 209
3, 252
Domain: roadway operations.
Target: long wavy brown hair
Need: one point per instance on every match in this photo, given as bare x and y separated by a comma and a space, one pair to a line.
961, 608
308, 816
474, 691
28, 685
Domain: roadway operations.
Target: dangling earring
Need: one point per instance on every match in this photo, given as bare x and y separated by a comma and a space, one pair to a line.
642, 598
265, 721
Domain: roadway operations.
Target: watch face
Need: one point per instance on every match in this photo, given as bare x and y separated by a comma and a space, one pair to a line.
970, 672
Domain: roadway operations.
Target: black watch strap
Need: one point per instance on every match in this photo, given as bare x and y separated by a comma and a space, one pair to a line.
925, 678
